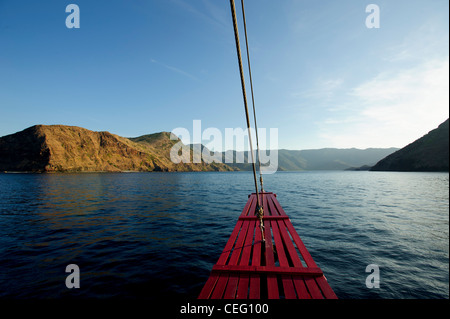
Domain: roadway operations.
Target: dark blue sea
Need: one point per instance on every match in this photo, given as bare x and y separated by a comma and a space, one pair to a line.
157, 235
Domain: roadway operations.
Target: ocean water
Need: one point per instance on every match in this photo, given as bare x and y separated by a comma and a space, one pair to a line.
157, 235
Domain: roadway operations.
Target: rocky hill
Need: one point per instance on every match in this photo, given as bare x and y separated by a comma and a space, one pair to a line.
60, 148
429, 153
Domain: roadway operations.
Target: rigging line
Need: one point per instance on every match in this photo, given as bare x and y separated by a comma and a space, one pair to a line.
259, 209
253, 97
241, 70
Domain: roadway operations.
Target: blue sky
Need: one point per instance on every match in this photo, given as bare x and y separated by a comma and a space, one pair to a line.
320, 76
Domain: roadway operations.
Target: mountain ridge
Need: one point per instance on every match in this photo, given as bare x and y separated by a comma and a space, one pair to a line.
430, 153
63, 148
317, 159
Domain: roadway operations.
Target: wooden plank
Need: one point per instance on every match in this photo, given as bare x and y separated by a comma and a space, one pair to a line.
300, 286
247, 249
268, 270
242, 289
244, 280
251, 212
325, 288
287, 239
208, 287
279, 210
255, 280
263, 193
221, 282
234, 277
232, 284
230, 290
239, 244
214, 279
265, 217
301, 247
220, 287
288, 286
229, 246
313, 288
272, 285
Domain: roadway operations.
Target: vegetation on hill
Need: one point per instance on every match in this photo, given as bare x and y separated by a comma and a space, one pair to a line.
428, 153
61, 148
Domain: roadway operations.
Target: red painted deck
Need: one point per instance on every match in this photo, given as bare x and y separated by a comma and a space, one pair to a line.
280, 267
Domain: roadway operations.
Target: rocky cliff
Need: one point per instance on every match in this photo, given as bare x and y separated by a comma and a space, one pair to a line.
60, 148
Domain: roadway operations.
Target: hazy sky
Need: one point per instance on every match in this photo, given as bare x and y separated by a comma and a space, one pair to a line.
320, 75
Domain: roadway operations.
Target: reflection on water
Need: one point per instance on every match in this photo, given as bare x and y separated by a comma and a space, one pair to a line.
128, 232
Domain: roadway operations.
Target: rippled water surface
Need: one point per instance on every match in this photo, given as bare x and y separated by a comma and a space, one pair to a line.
157, 235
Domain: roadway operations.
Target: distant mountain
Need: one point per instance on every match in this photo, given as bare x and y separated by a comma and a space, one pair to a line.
60, 148
320, 159
428, 153
340, 159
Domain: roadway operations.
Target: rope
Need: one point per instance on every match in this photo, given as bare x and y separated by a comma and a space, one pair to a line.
259, 208
253, 97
